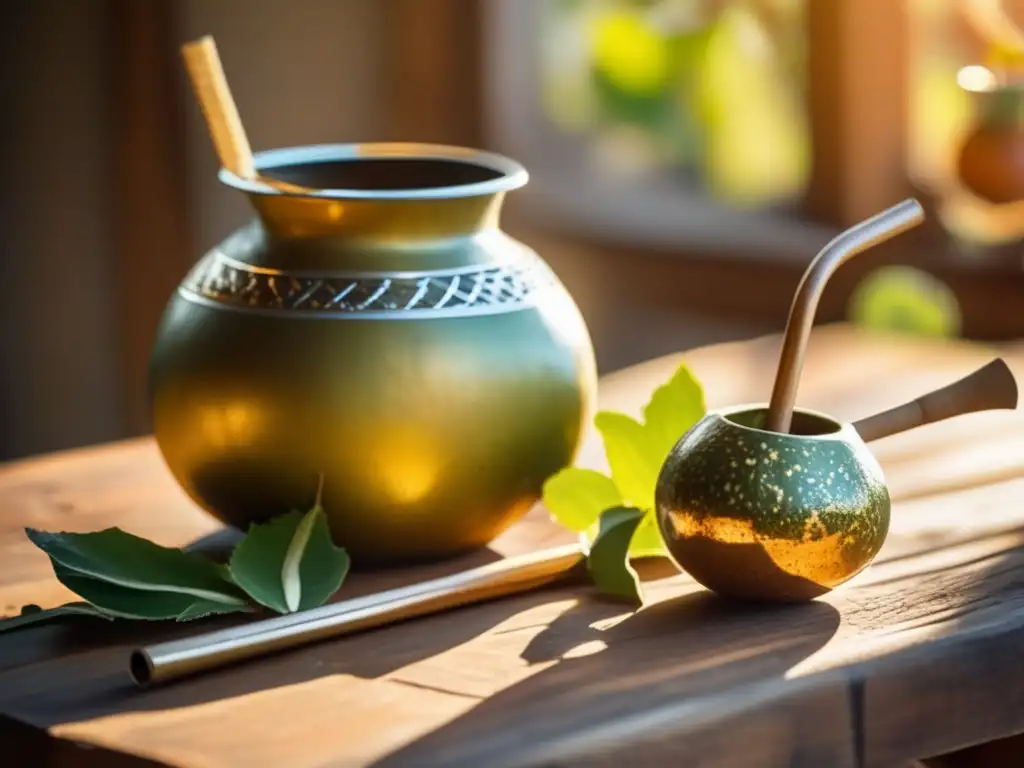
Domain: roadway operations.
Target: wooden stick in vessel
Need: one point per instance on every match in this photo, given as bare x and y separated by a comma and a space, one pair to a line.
222, 119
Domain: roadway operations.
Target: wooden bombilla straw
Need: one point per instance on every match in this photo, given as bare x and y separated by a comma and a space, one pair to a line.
989, 388
222, 119
841, 249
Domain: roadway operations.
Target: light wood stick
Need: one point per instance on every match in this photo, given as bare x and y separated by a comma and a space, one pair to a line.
989, 388
214, 96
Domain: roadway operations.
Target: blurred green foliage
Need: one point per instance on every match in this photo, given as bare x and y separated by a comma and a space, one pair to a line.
714, 90
906, 300
711, 90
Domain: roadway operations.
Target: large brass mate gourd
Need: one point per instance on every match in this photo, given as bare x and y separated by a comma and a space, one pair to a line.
373, 325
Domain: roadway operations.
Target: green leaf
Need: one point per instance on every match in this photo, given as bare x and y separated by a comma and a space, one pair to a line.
608, 560
635, 452
290, 563
633, 462
576, 497
673, 408
647, 541
908, 300
123, 560
33, 614
204, 608
131, 603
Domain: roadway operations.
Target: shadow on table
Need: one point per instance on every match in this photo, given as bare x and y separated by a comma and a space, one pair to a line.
75, 635
85, 674
958, 699
24, 745
695, 645
78, 669
679, 652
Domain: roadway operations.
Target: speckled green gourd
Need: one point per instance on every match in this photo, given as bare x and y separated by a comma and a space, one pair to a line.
756, 514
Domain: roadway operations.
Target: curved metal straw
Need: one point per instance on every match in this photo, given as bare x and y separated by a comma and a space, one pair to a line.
841, 249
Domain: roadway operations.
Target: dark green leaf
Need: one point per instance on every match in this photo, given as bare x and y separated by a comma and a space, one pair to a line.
129, 603
203, 608
33, 614
576, 497
127, 561
633, 461
290, 563
608, 560
647, 541
673, 408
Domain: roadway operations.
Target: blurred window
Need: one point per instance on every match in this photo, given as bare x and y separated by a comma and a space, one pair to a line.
679, 121
687, 122
704, 95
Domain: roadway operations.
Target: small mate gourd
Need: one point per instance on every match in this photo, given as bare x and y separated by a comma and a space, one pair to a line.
782, 504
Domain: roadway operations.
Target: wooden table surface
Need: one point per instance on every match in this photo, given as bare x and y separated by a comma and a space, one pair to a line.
919, 655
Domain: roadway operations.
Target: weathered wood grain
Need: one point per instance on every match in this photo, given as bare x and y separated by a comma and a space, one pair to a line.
919, 655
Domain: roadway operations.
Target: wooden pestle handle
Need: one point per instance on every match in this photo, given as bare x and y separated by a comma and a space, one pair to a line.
989, 388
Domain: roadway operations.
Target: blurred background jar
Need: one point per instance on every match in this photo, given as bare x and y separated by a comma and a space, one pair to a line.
984, 208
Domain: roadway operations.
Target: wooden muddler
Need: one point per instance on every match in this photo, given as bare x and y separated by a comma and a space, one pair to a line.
223, 122
214, 96
991, 387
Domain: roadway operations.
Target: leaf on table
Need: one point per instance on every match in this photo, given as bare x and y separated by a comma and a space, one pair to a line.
200, 609
131, 603
576, 497
123, 560
673, 408
33, 614
290, 563
634, 465
608, 559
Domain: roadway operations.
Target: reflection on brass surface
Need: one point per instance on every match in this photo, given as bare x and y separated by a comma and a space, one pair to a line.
394, 339
168, 661
762, 515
